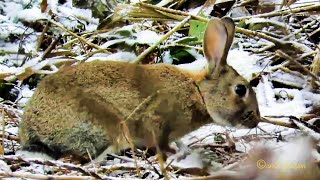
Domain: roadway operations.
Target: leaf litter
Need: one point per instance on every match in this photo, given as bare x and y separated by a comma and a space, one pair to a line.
34, 44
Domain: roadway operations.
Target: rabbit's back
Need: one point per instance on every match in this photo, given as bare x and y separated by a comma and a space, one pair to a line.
81, 107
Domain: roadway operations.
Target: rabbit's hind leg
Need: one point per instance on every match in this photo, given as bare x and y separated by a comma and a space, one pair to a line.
37, 149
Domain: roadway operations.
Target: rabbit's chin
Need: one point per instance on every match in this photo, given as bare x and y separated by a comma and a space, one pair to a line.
219, 120
247, 120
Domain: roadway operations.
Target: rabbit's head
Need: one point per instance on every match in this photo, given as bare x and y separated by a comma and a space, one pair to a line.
229, 98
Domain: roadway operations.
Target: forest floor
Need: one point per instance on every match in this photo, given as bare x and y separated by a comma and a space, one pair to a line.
276, 48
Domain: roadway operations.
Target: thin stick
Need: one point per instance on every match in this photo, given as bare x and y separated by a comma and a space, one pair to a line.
166, 36
60, 165
287, 37
282, 12
79, 37
284, 55
276, 122
92, 163
41, 37
10, 137
3, 130
160, 157
132, 146
44, 177
50, 48
261, 35
174, 12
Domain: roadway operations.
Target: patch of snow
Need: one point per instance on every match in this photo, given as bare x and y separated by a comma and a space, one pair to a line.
147, 37
33, 155
35, 64
9, 28
4, 167
12, 130
194, 11
119, 56
3, 18
163, 3
301, 47
140, 37
198, 64
91, 27
264, 20
82, 14
167, 58
205, 132
11, 9
191, 160
294, 102
24, 95
129, 28
244, 63
113, 42
286, 78
299, 3
239, 12
6, 69
31, 15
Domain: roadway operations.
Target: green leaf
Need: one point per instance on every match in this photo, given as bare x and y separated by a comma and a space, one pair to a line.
182, 55
187, 40
125, 31
197, 29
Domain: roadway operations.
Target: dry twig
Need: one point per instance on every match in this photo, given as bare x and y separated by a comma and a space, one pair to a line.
44, 177
78, 37
307, 71
163, 38
282, 12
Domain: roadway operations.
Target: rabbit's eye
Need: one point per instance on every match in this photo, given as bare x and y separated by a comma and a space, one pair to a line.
241, 90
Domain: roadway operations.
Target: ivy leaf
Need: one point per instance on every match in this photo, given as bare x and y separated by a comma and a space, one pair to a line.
182, 55
197, 29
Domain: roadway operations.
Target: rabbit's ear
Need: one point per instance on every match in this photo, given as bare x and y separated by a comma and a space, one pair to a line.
216, 43
229, 24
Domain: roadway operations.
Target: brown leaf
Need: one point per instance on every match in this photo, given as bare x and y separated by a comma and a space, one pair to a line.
44, 5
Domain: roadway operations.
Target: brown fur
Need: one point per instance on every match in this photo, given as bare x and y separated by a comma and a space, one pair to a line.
72, 101
82, 108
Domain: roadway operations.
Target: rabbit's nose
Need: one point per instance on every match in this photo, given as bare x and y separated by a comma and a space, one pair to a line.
253, 124
252, 119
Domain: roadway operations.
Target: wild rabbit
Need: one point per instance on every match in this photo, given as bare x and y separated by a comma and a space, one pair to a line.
103, 106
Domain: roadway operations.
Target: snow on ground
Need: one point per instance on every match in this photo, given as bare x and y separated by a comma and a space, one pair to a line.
292, 102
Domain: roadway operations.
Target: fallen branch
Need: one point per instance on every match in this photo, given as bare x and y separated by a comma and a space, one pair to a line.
307, 71
19, 160
41, 37
78, 37
41, 176
307, 130
174, 12
163, 38
9, 137
277, 122
50, 48
282, 12
277, 42
286, 37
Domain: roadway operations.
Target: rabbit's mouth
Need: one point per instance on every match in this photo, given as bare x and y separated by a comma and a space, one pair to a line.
250, 119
